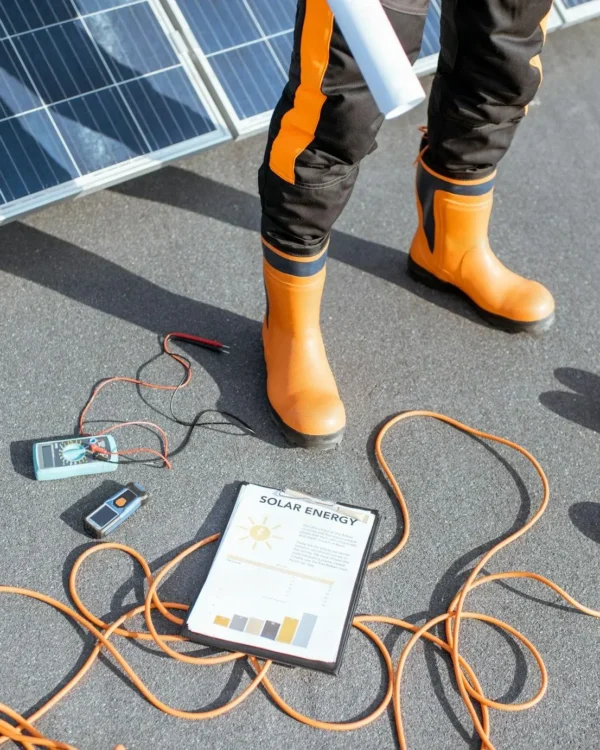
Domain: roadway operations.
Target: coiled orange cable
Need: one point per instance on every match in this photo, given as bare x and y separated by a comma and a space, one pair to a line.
23, 732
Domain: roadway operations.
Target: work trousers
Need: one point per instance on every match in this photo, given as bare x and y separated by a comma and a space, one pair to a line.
327, 121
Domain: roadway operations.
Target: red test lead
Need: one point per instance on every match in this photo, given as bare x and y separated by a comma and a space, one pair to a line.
210, 344
215, 346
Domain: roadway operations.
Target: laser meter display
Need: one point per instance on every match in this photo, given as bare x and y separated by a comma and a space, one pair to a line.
118, 508
103, 516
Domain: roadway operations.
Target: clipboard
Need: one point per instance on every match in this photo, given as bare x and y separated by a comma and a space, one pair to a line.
286, 578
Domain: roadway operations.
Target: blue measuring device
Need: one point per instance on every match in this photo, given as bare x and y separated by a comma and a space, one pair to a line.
74, 457
118, 508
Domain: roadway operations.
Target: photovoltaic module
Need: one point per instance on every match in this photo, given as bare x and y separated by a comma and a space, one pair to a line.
244, 49
92, 92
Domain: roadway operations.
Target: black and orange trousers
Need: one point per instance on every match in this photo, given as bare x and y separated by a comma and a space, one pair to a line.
326, 121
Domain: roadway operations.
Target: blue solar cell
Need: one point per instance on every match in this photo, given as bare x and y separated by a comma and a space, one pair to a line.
17, 16
132, 42
167, 108
32, 156
282, 46
63, 61
98, 130
254, 73
15, 89
251, 77
87, 85
274, 16
93, 6
248, 44
219, 24
431, 36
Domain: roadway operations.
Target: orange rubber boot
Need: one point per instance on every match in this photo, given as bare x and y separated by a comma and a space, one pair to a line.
301, 389
451, 251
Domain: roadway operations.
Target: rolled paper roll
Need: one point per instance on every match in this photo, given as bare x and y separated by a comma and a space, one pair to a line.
379, 55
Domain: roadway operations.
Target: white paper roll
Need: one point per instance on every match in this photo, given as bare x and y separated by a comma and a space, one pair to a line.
379, 55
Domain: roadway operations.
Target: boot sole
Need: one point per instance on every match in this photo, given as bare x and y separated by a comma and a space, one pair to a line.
302, 440
418, 273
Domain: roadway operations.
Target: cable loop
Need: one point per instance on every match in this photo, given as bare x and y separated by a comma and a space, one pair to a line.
23, 732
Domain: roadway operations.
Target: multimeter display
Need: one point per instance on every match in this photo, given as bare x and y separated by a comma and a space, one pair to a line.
47, 456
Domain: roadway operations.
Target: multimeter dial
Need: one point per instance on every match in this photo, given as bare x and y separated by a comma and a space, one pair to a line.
72, 452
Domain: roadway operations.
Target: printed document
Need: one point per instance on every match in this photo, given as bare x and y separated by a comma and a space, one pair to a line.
285, 577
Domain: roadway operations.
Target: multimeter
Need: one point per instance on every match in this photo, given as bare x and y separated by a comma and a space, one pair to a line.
73, 457
118, 508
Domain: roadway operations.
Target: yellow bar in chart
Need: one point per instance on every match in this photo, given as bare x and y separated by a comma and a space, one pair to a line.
224, 621
287, 630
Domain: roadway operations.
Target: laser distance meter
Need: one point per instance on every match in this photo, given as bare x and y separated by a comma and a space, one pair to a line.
73, 457
118, 508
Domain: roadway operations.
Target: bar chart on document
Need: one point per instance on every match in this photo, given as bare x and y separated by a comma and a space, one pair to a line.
284, 576
279, 589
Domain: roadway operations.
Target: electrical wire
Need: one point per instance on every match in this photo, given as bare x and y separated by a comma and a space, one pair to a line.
23, 732
104, 454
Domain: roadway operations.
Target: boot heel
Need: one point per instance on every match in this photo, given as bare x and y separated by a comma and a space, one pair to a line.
310, 442
418, 273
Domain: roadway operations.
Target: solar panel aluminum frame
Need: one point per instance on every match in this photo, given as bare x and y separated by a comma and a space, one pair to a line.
240, 128
579, 13
555, 20
138, 165
426, 65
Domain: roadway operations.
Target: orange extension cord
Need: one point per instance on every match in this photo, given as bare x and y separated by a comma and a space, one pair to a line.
24, 733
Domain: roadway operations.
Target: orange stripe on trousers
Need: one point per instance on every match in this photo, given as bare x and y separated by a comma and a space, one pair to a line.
299, 125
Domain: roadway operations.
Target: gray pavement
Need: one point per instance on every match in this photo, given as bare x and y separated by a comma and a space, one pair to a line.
87, 287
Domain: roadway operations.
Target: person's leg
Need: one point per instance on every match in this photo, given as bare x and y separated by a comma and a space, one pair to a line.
324, 125
489, 71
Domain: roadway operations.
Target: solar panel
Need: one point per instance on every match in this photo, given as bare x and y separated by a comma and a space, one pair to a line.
244, 47
430, 48
574, 11
574, 3
92, 92
96, 91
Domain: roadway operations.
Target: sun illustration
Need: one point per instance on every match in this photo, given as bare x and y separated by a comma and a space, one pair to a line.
260, 533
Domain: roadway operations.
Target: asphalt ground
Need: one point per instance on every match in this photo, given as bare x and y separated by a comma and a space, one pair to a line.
87, 289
